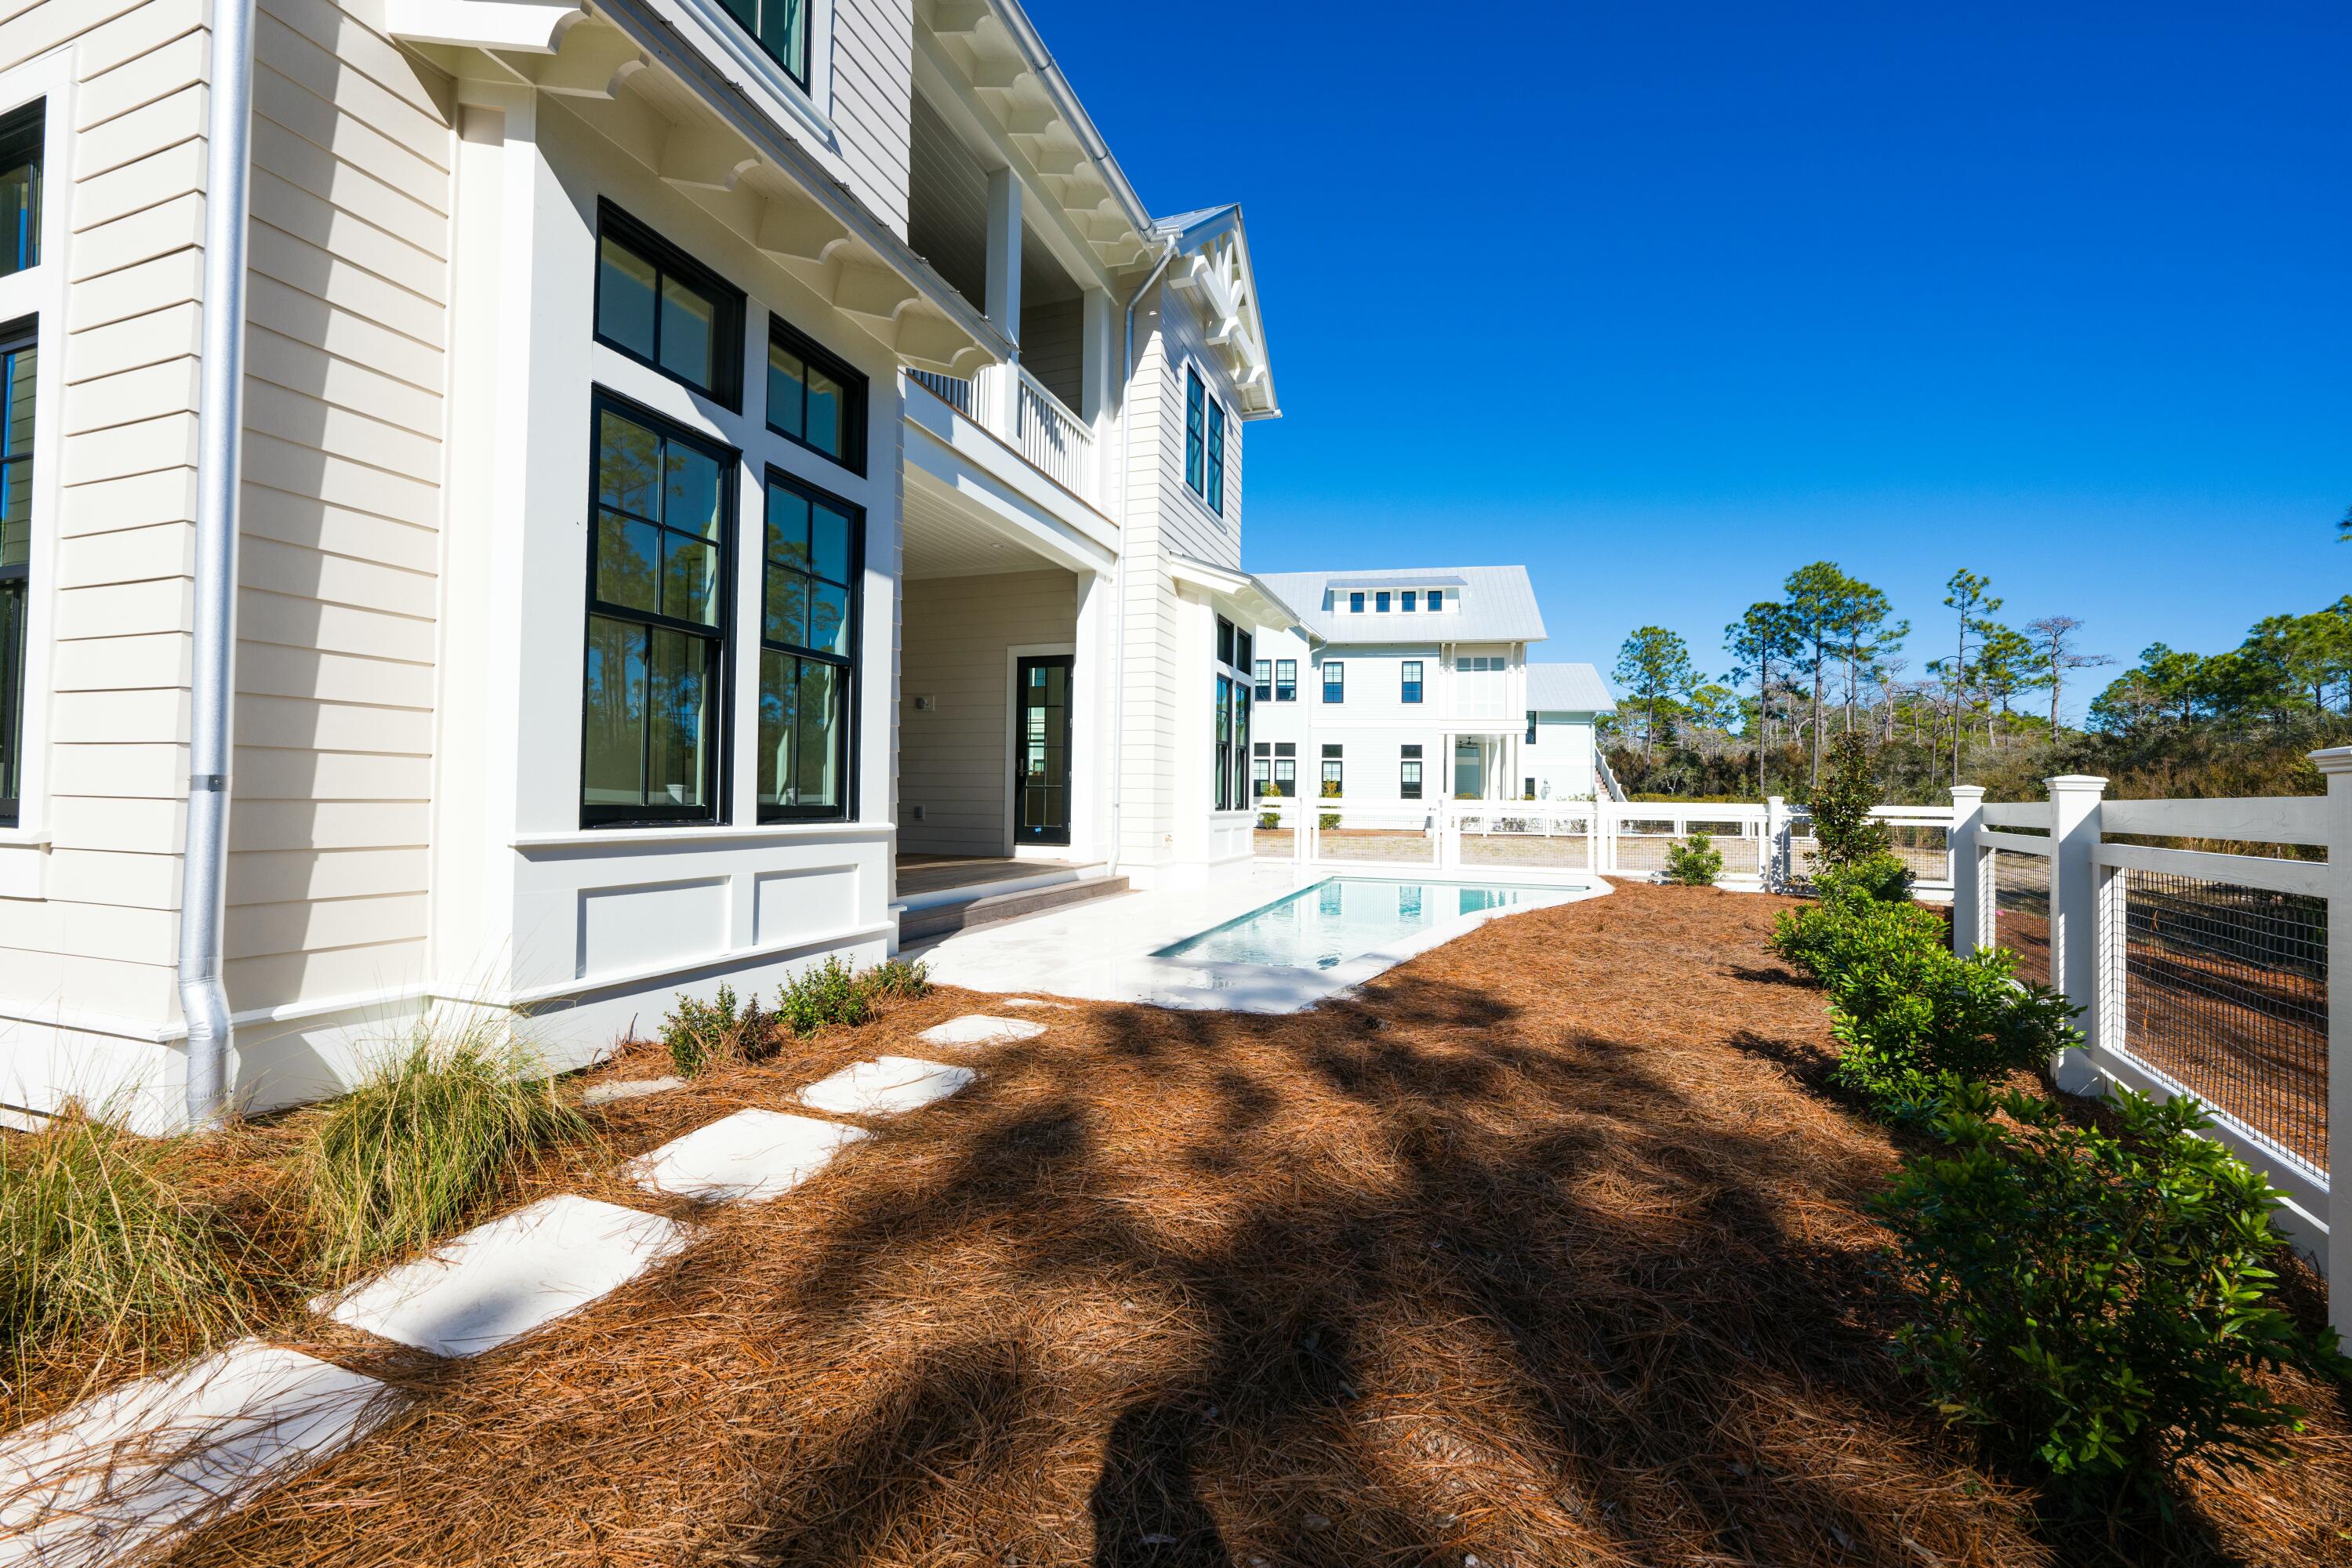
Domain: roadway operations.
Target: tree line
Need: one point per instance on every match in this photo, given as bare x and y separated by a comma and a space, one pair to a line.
1986, 704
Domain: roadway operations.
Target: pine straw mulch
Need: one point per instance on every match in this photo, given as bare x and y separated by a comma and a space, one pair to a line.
1543, 1251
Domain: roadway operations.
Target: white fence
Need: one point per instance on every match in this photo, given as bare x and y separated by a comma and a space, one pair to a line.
1016, 408
1767, 845
2199, 970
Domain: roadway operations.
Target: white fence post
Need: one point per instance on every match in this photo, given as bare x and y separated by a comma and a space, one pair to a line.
2335, 764
2075, 915
1968, 872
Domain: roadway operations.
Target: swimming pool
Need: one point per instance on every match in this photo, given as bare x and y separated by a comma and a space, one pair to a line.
1323, 926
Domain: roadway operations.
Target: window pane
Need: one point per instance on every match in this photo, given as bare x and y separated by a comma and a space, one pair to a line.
778, 704
786, 390
787, 607
690, 492
825, 401
20, 195
12, 688
678, 686
627, 555
784, 31
830, 542
613, 765
628, 463
818, 764
828, 619
17, 420
689, 580
788, 527
625, 296
689, 333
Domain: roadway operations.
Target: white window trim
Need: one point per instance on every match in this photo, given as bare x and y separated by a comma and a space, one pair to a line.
39, 293
736, 48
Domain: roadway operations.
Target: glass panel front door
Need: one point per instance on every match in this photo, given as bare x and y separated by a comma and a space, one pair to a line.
1469, 777
1040, 750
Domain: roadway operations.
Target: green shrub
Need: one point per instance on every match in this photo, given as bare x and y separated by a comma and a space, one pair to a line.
1269, 819
1695, 864
1907, 1015
826, 992
102, 1252
2095, 1301
1883, 877
1327, 820
408, 1155
1842, 825
897, 978
1816, 937
703, 1035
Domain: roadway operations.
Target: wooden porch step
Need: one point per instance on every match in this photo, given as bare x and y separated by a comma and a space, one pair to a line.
938, 919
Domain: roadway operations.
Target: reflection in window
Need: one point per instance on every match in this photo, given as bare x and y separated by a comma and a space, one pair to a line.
20, 189
815, 399
780, 29
656, 305
656, 623
18, 370
807, 641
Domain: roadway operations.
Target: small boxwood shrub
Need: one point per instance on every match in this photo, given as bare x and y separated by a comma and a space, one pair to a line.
1327, 820
2095, 1301
1695, 864
1883, 878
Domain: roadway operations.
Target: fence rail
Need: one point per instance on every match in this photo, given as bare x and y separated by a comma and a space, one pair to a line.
1019, 410
2198, 972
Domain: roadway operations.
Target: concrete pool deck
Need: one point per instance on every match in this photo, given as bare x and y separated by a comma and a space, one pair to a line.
1104, 951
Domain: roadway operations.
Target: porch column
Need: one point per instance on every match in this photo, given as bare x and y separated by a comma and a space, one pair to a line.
1003, 288
1093, 749
1095, 392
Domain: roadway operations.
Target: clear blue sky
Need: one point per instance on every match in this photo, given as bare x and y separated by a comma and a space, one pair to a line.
1666, 300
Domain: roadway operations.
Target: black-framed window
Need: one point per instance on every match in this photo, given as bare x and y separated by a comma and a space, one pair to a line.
1532, 729
662, 308
1195, 431
1227, 636
814, 398
1215, 487
1409, 773
19, 370
1335, 681
654, 702
1380, 601
780, 29
1285, 680
813, 550
1261, 777
1231, 787
1262, 677
1437, 598
1286, 768
1334, 770
22, 135
1355, 604
1408, 682
1411, 596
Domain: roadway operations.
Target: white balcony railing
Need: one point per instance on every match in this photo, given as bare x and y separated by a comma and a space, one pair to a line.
1038, 424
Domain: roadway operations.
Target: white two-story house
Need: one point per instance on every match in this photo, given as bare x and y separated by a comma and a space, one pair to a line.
552, 503
1400, 689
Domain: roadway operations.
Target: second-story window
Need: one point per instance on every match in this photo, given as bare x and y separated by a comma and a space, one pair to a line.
1285, 680
21, 136
814, 398
1262, 677
1215, 487
1532, 729
1411, 685
1335, 681
1196, 433
1355, 604
661, 308
1380, 603
1410, 595
781, 29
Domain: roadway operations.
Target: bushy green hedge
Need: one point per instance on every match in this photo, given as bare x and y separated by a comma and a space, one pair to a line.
2095, 1300
1695, 864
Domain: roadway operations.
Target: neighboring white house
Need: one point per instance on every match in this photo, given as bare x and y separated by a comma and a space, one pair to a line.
719, 477
1557, 762
1398, 689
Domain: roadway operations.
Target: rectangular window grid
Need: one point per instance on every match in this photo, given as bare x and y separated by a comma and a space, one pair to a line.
811, 554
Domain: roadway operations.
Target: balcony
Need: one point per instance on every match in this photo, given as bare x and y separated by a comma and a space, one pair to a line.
1016, 408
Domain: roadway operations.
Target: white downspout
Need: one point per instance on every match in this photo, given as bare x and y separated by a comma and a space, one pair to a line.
1119, 578
220, 428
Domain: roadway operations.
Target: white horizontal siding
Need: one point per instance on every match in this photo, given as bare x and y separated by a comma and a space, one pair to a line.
953, 761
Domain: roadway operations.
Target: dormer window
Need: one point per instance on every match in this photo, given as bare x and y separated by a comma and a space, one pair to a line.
1380, 603
1436, 599
1355, 604
781, 27
1409, 596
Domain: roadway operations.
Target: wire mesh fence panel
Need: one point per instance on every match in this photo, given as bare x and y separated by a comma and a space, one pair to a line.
2225, 993
1923, 847
1396, 845
1273, 841
2020, 911
1560, 852
1637, 853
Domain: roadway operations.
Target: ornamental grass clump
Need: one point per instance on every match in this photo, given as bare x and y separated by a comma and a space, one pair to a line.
1695, 864
418, 1147
897, 979
102, 1253
2096, 1302
704, 1034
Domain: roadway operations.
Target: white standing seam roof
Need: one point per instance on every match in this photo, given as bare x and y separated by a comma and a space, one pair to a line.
1568, 688
1492, 603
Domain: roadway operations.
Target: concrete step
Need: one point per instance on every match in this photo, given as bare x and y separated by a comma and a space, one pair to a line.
938, 919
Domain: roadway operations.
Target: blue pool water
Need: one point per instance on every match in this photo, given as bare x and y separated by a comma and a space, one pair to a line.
1344, 917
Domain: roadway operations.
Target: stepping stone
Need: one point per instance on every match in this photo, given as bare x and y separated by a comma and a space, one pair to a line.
885, 1086
498, 1282
120, 1473
978, 1029
751, 1157
628, 1089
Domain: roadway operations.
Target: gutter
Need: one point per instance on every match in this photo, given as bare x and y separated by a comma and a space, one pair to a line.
1040, 59
228, 128
1119, 576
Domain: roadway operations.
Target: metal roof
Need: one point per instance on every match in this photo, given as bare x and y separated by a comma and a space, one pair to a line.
1491, 604
1568, 688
